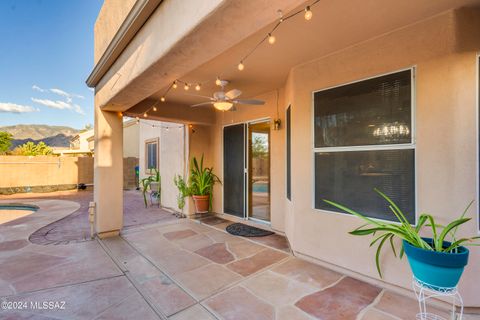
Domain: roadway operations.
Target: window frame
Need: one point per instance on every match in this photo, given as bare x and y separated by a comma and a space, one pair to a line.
477, 118
377, 147
147, 142
288, 157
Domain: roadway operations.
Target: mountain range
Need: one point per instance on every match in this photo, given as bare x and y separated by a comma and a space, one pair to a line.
54, 136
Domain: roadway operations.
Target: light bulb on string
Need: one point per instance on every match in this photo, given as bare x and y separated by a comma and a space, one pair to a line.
308, 13
162, 99
241, 66
154, 109
174, 85
271, 38
186, 86
145, 115
198, 87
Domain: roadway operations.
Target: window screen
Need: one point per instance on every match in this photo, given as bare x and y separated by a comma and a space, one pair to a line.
289, 150
363, 140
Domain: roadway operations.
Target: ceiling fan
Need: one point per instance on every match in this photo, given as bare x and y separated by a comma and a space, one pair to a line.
225, 101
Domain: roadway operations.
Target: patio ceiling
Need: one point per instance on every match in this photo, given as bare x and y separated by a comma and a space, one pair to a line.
335, 25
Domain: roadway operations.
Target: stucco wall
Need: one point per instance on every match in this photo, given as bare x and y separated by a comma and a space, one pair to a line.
23, 171
171, 160
446, 140
111, 16
131, 136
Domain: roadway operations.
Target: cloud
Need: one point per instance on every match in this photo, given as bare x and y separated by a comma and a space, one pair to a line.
65, 94
61, 105
16, 108
37, 88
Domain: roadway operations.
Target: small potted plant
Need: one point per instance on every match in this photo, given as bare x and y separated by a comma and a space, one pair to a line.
202, 180
152, 182
436, 262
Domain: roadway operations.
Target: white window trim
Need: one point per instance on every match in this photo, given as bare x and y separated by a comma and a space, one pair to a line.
402, 146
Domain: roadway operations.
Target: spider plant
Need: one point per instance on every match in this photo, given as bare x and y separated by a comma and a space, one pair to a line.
385, 231
202, 179
146, 182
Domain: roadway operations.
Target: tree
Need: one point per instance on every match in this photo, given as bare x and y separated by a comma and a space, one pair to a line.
259, 145
32, 149
5, 142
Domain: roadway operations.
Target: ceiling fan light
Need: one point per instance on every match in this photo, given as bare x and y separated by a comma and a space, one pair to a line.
223, 105
218, 82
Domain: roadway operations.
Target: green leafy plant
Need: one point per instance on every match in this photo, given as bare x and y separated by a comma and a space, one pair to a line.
202, 179
32, 149
5, 142
146, 184
388, 231
183, 190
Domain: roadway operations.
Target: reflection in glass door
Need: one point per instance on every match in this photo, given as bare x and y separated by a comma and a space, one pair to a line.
259, 170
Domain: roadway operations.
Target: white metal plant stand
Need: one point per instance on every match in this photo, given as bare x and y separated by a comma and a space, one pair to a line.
424, 292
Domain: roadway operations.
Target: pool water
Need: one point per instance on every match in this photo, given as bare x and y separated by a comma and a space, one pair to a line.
260, 187
13, 211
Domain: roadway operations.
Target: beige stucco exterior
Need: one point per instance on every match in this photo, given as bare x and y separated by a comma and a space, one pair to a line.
443, 49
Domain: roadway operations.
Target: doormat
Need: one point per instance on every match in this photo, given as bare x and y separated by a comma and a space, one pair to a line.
240, 229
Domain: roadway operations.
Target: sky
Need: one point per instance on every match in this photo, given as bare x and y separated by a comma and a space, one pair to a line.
46, 54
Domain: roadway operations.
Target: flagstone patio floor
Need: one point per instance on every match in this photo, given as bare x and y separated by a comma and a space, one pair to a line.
176, 269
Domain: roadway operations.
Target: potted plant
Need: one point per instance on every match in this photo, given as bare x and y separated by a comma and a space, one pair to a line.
183, 190
436, 262
202, 180
152, 182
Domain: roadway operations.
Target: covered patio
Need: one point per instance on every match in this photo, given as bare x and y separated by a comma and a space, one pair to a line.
363, 95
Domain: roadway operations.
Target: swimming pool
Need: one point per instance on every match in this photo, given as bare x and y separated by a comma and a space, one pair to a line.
13, 211
260, 187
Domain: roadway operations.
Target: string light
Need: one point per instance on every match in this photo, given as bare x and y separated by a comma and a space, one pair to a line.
162, 99
308, 13
241, 66
137, 118
174, 85
271, 38
154, 109
218, 82
145, 115
186, 86
198, 87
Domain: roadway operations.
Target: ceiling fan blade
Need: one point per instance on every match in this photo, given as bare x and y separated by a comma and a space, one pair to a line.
232, 94
251, 101
199, 96
209, 103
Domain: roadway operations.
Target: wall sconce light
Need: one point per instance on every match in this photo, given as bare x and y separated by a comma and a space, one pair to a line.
276, 124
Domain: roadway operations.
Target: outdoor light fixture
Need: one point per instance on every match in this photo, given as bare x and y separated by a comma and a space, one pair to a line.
241, 66
174, 85
162, 99
198, 87
154, 109
271, 38
186, 86
223, 105
308, 13
145, 115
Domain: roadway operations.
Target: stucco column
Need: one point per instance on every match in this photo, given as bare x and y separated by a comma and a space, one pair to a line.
108, 173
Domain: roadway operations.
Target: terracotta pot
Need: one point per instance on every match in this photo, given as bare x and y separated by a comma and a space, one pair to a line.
201, 203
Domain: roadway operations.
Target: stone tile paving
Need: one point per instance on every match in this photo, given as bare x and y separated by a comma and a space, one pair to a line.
179, 269
75, 227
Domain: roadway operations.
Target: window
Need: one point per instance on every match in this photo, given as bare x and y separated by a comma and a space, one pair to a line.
151, 154
289, 154
363, 140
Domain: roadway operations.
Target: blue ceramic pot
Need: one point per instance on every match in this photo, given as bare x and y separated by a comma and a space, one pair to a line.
436, 269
